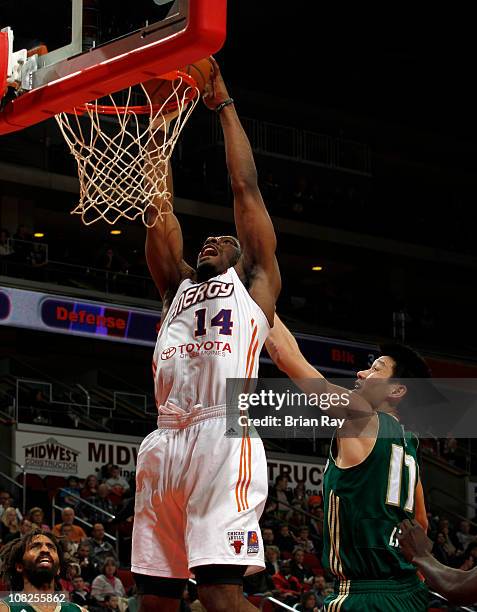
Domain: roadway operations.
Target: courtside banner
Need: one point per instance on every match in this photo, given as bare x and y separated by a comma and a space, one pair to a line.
66, 315
59, 314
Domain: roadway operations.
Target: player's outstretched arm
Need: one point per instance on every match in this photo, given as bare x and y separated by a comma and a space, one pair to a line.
459, 587
164, 244
254, 227
285, 353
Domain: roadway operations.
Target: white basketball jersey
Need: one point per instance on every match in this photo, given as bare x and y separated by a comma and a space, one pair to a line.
213, 331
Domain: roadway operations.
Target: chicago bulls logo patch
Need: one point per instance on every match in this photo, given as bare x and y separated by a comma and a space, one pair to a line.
236, 541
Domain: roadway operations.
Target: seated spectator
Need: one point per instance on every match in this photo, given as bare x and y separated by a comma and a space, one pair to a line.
77, 533
298, 569
102, 502
287, 585
107, 582
105, 471
37, 517
282, 494
7, 501
81, 593
72, 572
439, 549
116, 480
72, 487
5, 246
272, 559
319, 587
100, 549
454, 454
308, 603
268, 536
111, 602
463, 535
317, 525
90, 487
69, 548
26, 527
449, 545
303, 540
285, 540
295, 518
299, 496
9, 527
88, 568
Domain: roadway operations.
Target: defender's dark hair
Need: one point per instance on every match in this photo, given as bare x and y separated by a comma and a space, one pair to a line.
408, 362
13, 552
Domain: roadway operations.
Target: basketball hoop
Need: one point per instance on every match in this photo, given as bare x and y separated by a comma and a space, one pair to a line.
123, 172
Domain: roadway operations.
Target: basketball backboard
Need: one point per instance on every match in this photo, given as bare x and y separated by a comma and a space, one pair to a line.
75, 51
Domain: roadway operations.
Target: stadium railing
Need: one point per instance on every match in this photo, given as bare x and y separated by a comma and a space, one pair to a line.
20, 486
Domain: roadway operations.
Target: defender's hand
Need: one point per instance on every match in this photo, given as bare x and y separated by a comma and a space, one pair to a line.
413, 540
215, 91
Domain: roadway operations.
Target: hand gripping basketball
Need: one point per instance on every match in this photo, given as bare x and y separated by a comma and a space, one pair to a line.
215, 91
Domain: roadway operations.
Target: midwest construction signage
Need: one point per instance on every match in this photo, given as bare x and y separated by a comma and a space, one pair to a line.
52, 452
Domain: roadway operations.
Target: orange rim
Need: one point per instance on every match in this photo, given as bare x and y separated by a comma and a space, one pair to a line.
146, 109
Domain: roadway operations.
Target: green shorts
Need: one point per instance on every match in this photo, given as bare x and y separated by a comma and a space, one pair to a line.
405, 595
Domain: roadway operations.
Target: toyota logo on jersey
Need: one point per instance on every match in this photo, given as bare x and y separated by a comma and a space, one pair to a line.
168, 353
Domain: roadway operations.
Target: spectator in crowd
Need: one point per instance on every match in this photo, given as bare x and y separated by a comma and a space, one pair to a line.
439, 549
116, 480
100, 549
69, 547
295, 518
4, 497
7, 501
303, 540
25, 527
319, 588
272, 559
299, 495
21, 244
65, 495
449, 545
287, 585
111, 261
107, 581
308, 603
5, 246
463, 535
90, 487
111, 602
105, 471
267, 536
317, 526
72, 571
9, 527
88, 568
282, 494
102, 502
37, 518
298, 568
81, 593
67, 518
285, 540
454, 454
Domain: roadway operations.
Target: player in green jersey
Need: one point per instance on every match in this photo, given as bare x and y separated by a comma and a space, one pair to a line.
371, 482
31, 566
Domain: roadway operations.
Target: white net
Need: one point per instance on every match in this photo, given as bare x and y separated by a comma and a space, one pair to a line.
123, 153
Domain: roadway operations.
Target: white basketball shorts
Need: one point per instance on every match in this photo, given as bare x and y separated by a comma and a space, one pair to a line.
199, 497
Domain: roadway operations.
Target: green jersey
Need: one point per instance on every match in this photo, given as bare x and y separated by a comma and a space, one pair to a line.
66, 606
364, 505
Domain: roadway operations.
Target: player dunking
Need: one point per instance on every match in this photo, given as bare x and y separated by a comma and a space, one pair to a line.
199, 494
371, 482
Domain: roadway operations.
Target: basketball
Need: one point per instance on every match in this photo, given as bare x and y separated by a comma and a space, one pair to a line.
159, 89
